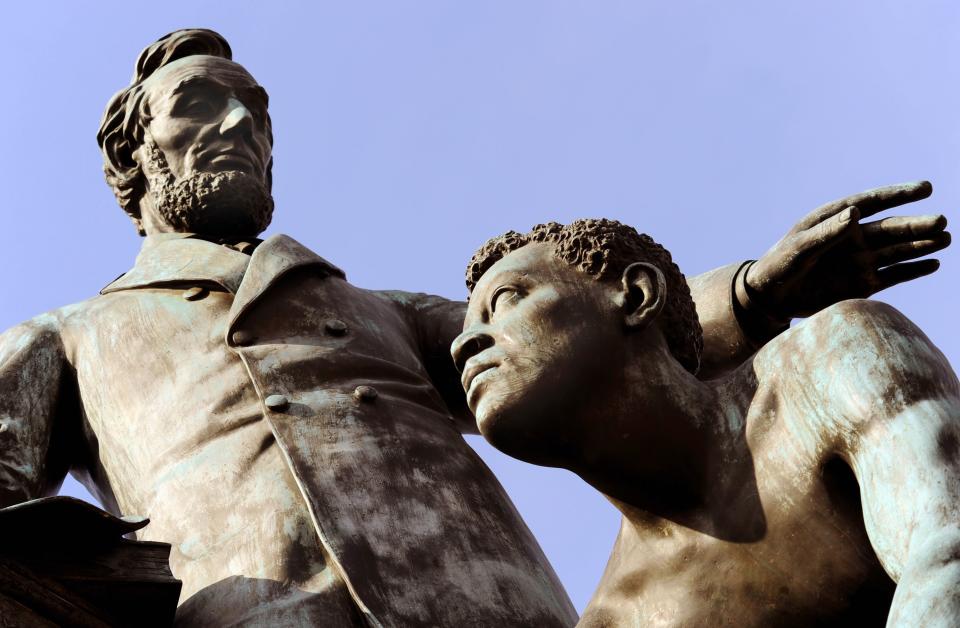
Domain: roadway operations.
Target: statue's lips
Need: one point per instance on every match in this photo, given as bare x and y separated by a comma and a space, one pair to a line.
234, 159
471, 372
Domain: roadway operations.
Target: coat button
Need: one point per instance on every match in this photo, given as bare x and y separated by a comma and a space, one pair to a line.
195, 293
336, 327
365, 393
241, 337
277, 403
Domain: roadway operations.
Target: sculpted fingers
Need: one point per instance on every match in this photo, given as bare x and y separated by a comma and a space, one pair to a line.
870, 202
899, 273
790, 261
893, 196
825, 235
895, 253
901, 229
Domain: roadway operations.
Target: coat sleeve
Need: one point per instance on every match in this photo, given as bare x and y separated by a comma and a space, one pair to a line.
437, 322
36, 387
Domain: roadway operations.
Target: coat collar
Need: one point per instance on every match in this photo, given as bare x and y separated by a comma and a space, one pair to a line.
181, 258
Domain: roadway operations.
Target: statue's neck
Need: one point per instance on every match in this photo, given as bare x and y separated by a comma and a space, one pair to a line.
660, 446
686, 461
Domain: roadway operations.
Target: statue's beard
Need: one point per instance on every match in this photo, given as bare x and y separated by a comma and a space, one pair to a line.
228, 203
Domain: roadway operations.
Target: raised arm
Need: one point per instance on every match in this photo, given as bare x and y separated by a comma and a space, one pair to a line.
827, 257
902, 439
36, 390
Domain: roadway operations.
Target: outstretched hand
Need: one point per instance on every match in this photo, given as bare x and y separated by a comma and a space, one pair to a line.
830, 255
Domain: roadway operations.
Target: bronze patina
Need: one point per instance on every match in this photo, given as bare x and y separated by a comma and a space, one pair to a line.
816, 484
297, 439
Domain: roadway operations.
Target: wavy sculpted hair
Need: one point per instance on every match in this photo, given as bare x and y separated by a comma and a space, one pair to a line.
603, 249
128, 113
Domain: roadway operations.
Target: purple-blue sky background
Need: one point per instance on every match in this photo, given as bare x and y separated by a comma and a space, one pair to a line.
408, 133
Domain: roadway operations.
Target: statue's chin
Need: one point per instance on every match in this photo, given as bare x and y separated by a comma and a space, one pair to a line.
221, 204
507, 433
228, 221
527, 432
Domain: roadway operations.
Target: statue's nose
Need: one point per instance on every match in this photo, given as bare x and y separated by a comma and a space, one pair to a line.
238, 118
468, 344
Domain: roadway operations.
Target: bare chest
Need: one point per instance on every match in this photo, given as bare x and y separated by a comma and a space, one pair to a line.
807, 559
809, 564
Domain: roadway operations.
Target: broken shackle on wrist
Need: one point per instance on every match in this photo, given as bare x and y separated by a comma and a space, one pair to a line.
758, 324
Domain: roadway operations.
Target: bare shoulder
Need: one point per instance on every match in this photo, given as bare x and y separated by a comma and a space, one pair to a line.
856, 336
864, 317
858, 361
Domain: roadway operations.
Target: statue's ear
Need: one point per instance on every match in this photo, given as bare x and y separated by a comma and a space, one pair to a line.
644, 294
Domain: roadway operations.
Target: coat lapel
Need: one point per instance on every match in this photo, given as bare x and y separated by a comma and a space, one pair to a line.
274, 258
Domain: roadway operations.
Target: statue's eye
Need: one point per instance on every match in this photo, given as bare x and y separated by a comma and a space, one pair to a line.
504, 295
194, 108
198, 108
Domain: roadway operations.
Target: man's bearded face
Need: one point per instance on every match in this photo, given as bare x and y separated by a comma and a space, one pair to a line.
206, 150
225, 203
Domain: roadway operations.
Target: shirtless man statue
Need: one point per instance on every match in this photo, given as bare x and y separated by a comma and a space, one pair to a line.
817, 484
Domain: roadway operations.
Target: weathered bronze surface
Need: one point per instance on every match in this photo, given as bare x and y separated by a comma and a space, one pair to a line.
285, 431
295, 438
816, 484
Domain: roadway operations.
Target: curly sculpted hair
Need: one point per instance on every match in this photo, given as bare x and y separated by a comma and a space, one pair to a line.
603, 249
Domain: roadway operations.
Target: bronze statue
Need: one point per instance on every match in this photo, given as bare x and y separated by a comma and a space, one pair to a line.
295, 438
816, 484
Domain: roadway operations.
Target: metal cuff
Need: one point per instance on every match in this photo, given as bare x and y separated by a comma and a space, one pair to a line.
758, 325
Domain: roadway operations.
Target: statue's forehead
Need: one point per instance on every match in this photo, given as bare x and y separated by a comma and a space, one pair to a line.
181, 71
534, 260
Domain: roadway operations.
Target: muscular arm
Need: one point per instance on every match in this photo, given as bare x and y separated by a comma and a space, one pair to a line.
34, 390
902, 438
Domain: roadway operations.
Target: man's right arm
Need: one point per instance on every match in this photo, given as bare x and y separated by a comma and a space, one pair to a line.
36, 387
437, 322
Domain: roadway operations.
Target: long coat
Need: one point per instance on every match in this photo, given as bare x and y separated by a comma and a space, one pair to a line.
290, 434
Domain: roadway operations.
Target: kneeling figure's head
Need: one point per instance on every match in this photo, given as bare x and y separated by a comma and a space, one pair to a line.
556, 318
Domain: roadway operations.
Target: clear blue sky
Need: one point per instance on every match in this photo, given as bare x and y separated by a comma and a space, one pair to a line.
408, 133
